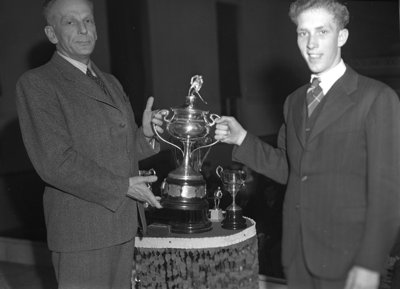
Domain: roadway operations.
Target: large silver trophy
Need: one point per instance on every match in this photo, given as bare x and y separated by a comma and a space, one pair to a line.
184, 190
234, 181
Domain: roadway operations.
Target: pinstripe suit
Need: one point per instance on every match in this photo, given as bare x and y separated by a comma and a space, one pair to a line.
343, 180
85, 145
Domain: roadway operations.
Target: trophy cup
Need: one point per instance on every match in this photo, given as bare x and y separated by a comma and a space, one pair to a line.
184, 190
234, 181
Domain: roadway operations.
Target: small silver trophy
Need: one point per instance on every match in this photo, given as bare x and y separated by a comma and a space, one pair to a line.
234, 181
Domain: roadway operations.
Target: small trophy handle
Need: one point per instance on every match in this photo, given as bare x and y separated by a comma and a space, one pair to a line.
160, 137
219, 171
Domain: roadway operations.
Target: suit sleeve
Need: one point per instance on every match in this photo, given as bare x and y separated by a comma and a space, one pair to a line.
50, 147
383, 182
264, 158
143, 149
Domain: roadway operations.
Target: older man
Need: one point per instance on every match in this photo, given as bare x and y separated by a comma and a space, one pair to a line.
79, 131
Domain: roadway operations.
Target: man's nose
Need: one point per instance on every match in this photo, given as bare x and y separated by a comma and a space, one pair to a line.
82, 28
312, 42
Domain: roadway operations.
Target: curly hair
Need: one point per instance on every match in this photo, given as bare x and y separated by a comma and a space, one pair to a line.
338, 10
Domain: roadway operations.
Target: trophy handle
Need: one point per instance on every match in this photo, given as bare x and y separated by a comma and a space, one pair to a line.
213, 117
160, 137
205, 146
219, 171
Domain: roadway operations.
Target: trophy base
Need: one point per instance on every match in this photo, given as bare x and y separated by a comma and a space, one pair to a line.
191, 222
188, 215
234, 220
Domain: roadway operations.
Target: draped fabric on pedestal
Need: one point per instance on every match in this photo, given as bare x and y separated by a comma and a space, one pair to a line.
218, 259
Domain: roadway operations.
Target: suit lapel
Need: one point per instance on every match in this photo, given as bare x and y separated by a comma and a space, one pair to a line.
114, 94
337, 102
299, 116
82, 83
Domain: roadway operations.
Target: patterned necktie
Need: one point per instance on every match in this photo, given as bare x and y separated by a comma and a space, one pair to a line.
97, 80
314, 95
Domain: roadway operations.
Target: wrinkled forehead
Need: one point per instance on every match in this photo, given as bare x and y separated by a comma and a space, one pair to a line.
63, 8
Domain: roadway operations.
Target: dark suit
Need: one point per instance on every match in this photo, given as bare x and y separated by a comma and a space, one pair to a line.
343, 180
85, 145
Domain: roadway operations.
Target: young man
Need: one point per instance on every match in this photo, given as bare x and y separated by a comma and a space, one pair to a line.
339, 154
79, 131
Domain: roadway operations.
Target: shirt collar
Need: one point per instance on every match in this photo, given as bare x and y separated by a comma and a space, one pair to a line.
328, 78
82, 67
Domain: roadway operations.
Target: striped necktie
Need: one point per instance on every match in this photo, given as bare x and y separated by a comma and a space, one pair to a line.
97, 80
314, 95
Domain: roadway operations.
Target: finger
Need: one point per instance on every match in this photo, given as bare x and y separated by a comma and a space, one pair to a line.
142, 180
149, 103
220, 138
222, 127
156, 204
161, 113
223, 119
149, 179
159, 129
153, 200
164, 112
221, 132
157, 121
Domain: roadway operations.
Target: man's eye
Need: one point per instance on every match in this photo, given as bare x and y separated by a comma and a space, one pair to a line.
70, 22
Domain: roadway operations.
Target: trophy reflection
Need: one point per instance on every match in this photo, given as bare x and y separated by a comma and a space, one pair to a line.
233, 181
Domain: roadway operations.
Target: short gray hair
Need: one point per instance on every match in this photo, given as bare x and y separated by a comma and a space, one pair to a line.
48, 5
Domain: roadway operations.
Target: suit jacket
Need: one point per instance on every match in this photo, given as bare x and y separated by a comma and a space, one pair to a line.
85, 145
343, 181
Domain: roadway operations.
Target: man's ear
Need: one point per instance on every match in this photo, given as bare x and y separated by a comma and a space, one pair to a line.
49, 31
343, 36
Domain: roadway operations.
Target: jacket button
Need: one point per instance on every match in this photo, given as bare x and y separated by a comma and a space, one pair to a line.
297, 206
122, 125
304, 178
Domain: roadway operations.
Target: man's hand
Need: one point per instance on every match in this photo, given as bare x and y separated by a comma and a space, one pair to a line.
362, 278
229, 130
152, 117
139, 191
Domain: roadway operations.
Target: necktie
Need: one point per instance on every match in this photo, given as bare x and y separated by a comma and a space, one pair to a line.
97, 80
314, 95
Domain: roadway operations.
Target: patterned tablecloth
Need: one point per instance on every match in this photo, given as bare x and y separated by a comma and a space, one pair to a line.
219, 258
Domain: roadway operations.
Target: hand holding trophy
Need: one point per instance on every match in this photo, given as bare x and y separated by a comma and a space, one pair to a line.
150, 172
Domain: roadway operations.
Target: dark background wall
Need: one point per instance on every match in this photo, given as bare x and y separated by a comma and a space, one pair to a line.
245, 50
